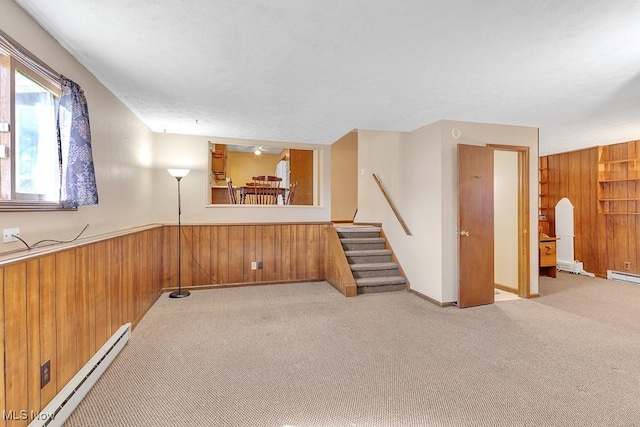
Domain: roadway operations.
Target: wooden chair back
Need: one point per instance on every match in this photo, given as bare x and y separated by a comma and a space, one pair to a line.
291, 193
266, 189
232, 192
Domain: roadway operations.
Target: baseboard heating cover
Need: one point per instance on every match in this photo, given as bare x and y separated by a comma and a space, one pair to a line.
64, 403
623, 277
574, 267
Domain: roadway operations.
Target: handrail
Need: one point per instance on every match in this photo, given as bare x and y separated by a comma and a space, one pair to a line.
393, 207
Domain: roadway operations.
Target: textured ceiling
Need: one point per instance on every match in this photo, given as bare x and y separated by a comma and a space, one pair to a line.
295, 70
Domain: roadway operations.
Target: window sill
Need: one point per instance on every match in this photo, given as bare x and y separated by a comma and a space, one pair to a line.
31, 206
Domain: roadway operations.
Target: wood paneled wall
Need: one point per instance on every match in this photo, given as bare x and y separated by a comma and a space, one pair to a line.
64, 306
602, 242
222, 254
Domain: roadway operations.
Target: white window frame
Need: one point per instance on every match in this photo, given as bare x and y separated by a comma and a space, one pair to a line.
10, 200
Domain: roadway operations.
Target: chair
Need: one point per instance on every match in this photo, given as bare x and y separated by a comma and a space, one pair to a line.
266, 189
291, 193
232, 192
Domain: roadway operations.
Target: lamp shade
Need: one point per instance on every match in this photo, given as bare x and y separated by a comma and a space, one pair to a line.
178, 173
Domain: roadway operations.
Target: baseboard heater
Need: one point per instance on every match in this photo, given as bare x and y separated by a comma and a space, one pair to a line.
575, 267
623, 277
64, 403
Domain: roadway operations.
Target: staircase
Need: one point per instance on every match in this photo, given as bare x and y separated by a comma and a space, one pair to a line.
370, 262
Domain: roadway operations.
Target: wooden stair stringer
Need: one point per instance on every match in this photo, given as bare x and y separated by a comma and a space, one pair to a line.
337, 267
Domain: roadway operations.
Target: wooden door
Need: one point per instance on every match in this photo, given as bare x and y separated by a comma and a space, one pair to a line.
301, 165
475, 225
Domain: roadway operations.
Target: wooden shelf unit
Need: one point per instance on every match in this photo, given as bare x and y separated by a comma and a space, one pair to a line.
218, 162
618, 181
543, 195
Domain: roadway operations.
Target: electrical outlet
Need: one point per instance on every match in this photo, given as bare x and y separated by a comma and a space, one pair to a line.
45, 373
259, 265
626, 265
8, 233
254, 265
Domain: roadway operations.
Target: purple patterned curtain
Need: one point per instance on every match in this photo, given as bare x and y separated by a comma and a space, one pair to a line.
77, 174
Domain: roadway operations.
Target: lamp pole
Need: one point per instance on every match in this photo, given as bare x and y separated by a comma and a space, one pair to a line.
178, 174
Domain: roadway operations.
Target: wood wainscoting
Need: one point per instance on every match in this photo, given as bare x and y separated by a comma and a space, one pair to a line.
221, 255
63, 306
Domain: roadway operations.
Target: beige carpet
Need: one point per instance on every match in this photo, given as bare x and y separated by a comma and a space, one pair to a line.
303, 355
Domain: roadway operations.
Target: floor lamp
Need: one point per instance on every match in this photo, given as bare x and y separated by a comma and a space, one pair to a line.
178, 174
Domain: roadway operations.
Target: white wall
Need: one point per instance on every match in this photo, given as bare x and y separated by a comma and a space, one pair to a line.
410, 170
242, 167
121, 148
505, 217
418, 170
174, 151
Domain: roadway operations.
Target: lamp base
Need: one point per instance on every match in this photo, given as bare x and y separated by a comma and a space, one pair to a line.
179, 294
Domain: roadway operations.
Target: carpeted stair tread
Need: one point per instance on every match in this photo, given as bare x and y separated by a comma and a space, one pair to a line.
380, 289
358, 229
360, 243
375, 266
380, 281
368, 252
347, 240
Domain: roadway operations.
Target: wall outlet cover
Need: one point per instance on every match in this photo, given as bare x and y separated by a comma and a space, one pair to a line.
45, 373
8, 233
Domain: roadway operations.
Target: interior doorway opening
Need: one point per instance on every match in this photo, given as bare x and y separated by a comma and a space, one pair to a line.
511, 221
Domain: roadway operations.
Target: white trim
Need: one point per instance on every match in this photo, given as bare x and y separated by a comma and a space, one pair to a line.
623, 277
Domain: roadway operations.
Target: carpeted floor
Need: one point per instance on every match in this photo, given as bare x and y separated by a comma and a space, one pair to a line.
303, 355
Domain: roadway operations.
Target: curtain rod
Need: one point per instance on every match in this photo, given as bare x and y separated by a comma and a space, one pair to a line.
16, 49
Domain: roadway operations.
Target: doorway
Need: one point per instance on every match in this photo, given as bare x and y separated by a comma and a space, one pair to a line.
476, 209
511, 214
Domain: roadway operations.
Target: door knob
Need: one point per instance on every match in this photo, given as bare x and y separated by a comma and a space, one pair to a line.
464, 233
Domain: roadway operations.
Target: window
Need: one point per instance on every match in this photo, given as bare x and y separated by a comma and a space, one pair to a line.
240, 163
29, 165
